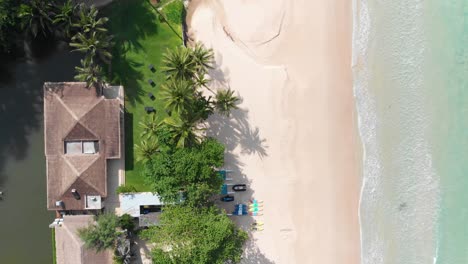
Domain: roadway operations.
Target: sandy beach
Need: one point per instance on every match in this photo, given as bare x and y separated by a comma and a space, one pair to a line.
294, 138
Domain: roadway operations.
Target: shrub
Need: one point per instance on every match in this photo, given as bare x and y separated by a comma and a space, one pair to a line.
125, 189
126, 222
174, 12
102, 235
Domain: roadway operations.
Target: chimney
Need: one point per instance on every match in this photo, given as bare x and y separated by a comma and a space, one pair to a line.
76, 194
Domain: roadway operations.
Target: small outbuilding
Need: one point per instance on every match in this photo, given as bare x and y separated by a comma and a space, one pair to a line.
145, 206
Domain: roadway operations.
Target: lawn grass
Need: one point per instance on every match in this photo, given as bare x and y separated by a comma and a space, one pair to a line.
54, 250
140, 39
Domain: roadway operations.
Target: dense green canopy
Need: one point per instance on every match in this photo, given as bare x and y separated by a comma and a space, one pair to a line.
195, 236
102, 235
190, 170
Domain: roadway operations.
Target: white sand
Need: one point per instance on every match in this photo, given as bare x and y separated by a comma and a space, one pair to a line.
294, 138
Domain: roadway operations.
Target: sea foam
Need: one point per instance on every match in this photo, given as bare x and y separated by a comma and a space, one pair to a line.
400, 189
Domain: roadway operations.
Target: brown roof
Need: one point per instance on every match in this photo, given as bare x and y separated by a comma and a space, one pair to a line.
73, 112
70, 248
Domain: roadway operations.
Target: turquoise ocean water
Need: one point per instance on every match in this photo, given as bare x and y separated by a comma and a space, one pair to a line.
410, 65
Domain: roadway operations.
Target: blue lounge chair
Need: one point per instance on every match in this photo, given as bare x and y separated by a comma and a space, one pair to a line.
223, 174
224, 190
240, 209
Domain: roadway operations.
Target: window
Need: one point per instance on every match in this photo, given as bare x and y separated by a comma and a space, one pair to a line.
82, 147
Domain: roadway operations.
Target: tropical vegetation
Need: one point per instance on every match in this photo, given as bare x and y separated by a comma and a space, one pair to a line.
93, 40
102, 234
189, 170
199, 236
35, 17
167, 151
8, 23
137, 45
180, 164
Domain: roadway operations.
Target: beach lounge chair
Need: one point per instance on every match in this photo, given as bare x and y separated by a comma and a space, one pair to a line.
227, 198
224, 190
151, 96
240, 209
149, 109
223, 174
255, 213
151, 82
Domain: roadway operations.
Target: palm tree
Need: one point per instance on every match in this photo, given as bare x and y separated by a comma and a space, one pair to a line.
64, 16
146, 150
185, 133
95, 44
204, 58
149, 127
35, 16
179, 64
178, 95
88, 21
225, 101
200, 80
89, 73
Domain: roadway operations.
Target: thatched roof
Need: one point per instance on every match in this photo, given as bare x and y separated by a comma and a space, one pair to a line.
70, 248
73, 112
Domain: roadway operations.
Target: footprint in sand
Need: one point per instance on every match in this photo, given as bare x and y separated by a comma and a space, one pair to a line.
286, 233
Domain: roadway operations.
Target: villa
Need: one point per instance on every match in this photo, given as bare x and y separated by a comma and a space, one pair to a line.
82, 130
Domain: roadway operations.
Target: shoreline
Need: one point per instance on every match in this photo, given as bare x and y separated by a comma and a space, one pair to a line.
298, 108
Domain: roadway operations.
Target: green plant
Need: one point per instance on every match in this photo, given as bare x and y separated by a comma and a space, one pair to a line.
88, 21
204, 58
54, 250
90, 73
174, 12
36, 16
146, 149
185, 132
189, 169
149, 127
178, 95
195, 236
126, 222
8, 24
179, 64
64, 16
94, 45
125, 189
226, 101
102, 234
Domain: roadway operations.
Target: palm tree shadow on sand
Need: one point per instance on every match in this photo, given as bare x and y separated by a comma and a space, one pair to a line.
235, 131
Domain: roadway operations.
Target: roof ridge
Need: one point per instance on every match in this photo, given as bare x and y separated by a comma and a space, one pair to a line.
89, 165
89, 111
83, 125
88, 182
92, 107
66, 107
74, 170
72, 235
79, 174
